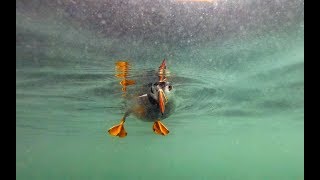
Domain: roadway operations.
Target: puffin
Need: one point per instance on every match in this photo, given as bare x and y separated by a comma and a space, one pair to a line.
153, 104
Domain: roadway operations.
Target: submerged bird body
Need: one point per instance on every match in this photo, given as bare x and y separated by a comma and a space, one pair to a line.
151, 104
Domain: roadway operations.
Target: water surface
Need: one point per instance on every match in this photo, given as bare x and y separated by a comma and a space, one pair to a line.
238, 73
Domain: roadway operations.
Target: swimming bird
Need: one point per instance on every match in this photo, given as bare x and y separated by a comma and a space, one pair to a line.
152, 105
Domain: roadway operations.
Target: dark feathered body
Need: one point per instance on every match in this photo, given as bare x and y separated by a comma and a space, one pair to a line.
146, 108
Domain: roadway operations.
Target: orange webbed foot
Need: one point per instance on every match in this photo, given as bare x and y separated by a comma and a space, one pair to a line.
118, 130
160, 128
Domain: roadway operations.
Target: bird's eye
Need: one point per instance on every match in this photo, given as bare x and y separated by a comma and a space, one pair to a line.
170, 87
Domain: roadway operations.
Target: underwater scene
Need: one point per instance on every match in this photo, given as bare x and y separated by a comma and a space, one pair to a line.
160, 89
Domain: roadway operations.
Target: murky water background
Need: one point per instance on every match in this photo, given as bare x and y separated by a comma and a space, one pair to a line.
238, 73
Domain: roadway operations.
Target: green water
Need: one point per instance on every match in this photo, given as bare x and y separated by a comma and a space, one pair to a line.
239, 94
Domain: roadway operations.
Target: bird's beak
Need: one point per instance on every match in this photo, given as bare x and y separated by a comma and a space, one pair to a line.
163, 65
162, 71
162, 100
